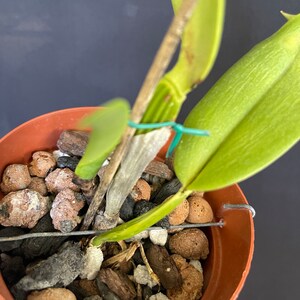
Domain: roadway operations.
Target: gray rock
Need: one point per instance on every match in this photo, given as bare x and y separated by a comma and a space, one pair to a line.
147, 292
12, 268
70, 162
126, 211
141, 207
168, 189
36, 247
58, 270
9, 232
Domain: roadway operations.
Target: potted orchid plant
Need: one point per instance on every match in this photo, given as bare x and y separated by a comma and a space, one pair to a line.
235, 131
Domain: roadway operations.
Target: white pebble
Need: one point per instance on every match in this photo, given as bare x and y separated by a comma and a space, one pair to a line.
92, 263
159, 296
197, 265
142, 276
58, 153
142, 235
158, 236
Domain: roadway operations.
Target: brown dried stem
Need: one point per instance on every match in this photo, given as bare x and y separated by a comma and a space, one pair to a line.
157, 69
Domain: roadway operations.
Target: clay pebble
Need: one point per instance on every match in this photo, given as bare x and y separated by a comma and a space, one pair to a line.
65, 210
200, 210
73, 142
180, 213
159, 169
23, 208
61, 179
190, 244
38, 184
52, 294
141, 191
191, 288
15, 177
42, 163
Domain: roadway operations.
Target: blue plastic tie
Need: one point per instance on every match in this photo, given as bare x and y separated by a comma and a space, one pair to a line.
178, 128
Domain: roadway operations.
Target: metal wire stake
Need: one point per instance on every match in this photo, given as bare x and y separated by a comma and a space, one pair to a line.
96, 232
241, 206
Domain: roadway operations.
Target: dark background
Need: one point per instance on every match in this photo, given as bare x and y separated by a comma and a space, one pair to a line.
59, 54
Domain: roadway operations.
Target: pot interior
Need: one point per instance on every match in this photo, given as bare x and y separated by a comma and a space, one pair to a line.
231, 247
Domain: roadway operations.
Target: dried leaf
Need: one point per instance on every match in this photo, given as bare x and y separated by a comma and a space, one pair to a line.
142, 150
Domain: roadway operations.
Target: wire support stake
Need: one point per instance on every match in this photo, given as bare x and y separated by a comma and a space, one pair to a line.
96, 232
241, 206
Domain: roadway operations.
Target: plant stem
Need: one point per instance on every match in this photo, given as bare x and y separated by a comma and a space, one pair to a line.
157, 69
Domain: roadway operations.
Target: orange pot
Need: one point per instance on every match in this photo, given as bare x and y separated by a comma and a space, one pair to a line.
231, 247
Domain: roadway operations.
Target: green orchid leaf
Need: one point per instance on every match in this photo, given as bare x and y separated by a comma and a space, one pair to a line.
252, 114
108, 125
200, 44
135, 226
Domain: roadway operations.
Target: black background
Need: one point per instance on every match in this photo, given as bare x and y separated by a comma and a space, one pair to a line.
59, 54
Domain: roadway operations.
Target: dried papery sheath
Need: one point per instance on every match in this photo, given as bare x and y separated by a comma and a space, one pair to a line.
142, 151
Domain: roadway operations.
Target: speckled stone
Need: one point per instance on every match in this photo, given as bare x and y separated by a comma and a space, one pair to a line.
61, 179
65, 209
23, 208
41, 164
15, 177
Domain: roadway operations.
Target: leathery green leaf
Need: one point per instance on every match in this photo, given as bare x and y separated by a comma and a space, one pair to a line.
252, 114
108, 125
135, 226
199, 47
200, 44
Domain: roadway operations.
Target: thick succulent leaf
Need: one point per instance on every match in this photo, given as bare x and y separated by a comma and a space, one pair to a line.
108, 125
200, 44
135, 226
252, 114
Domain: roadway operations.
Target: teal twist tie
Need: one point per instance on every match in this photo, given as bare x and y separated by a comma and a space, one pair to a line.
178, 128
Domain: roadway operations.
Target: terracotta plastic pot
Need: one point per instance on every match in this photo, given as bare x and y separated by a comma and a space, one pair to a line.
231, 246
